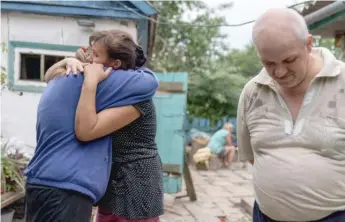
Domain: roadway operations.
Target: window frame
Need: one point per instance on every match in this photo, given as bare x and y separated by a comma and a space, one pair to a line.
42, 52
13, 62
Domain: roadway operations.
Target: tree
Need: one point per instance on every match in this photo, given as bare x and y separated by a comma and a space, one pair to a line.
182, 46
197, 48
214, 94
245, 61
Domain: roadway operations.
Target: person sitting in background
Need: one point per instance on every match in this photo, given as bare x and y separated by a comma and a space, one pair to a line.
221, 144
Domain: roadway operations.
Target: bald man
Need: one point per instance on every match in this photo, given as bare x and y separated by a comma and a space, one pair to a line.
291, 124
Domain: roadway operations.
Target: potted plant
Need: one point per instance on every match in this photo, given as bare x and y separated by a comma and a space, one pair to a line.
13, 164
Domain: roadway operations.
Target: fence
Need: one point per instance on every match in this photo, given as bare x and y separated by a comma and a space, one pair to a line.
203, 124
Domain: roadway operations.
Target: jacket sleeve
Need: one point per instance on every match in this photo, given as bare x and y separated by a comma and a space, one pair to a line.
126, 87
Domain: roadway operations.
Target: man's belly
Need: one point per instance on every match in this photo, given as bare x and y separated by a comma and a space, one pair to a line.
303, 186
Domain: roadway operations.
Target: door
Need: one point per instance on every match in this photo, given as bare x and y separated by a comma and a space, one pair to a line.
171, 112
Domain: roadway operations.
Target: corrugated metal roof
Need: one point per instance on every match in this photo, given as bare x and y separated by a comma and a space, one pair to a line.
312, 7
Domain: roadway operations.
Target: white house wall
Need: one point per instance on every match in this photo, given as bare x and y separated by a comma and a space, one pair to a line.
55, 29
18, 112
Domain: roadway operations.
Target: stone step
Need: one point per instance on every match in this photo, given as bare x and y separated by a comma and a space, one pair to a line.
247, 204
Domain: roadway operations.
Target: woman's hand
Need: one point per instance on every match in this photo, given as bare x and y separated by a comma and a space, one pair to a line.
74, 65
96, 72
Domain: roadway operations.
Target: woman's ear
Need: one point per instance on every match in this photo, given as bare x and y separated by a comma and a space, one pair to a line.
116, 64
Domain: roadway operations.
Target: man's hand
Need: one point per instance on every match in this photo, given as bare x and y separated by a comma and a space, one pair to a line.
75, 66
96, 72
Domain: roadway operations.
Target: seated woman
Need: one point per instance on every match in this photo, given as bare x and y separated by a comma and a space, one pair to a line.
221, 144
66, 177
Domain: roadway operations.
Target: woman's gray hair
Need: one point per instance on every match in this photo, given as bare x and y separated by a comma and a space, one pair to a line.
228, 126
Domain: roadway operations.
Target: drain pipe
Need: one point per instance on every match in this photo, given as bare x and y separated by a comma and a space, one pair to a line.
324, 12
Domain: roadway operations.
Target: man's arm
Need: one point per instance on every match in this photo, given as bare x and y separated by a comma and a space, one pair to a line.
243, 137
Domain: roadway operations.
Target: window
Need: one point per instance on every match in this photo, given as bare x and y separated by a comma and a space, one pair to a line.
30, 65
34, 66
29, 61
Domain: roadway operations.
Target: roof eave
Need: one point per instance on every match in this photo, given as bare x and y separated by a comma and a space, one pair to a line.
26, 7
325, 15
145, 7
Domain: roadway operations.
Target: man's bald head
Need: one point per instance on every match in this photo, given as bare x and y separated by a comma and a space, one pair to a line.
280, 23
284, 46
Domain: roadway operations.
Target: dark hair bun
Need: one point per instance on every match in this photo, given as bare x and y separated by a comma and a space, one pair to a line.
140, 57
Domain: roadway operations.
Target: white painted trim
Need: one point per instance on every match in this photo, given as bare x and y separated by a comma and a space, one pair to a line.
18, 51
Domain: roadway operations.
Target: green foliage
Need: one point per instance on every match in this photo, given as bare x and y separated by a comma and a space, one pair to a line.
214, 94
182, 47
3, 69
197, 49
12, 166
245, 61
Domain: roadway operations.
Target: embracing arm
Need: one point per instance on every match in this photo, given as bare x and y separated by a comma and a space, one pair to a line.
55, 70
116, 103
64, 67
90, 125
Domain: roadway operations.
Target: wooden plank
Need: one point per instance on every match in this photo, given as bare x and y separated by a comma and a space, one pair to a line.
94, 214
172, 87
10, 197
188, 179
172, 168
42, 66
247, 204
